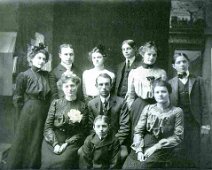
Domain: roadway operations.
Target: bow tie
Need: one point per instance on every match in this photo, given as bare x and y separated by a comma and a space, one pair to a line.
151, 78
182, 75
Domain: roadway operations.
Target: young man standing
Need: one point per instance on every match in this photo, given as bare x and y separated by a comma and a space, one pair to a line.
132, 61
66, 54
188, 92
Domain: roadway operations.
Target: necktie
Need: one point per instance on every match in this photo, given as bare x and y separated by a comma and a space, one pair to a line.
128, 64
105, 103
182, 75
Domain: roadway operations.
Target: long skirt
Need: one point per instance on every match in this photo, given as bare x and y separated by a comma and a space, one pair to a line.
160, 159
67, 160
25, 152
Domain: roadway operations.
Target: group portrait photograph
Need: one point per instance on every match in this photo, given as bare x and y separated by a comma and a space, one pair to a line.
106, 84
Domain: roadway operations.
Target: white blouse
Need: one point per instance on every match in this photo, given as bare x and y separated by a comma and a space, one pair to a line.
140, 82
89, 81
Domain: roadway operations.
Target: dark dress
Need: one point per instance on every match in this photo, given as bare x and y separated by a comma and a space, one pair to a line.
58, 130
31, 98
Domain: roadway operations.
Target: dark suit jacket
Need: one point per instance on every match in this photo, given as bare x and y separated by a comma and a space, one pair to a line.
117, 111
55, 75
198, 101
120, 69
99, 154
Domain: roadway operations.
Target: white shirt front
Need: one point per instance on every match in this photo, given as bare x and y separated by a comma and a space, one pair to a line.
103, 100
89, 81
131, 60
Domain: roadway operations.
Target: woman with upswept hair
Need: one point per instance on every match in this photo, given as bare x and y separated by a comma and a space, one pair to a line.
97, 56
31, 99
65, 127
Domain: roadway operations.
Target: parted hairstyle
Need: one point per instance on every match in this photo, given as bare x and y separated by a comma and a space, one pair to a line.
65, 46
178, 55
104, 75
66, 76
41, 48
146, 46
97, 49
103, 118
131, 43
163, 83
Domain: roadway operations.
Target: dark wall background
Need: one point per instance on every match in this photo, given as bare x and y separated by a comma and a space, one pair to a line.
31, 18
85, 24
25, 19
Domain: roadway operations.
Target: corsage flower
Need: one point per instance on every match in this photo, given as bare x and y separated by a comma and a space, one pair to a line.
74, 115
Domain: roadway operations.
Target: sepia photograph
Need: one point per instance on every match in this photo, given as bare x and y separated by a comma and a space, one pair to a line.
106, 84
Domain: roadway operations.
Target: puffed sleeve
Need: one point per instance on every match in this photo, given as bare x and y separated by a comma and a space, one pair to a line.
178, 134
53, 86
124, 122
86, 154
84, 74
131, 94
163, 75
140, 128
49, 134
84, 121
18, 98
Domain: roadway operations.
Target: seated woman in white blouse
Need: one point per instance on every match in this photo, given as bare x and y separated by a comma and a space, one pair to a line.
140, 89
97, 56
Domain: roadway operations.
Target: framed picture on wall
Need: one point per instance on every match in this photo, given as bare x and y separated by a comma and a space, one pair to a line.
187, 14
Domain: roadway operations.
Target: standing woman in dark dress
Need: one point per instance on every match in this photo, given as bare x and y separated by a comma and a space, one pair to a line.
65, 127
31, 98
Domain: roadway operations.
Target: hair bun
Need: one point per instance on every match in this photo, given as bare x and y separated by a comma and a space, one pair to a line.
41, 46
100, 47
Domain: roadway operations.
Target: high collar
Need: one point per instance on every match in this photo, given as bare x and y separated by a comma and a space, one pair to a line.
147, 66
71, 100
68, 67
35, 69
